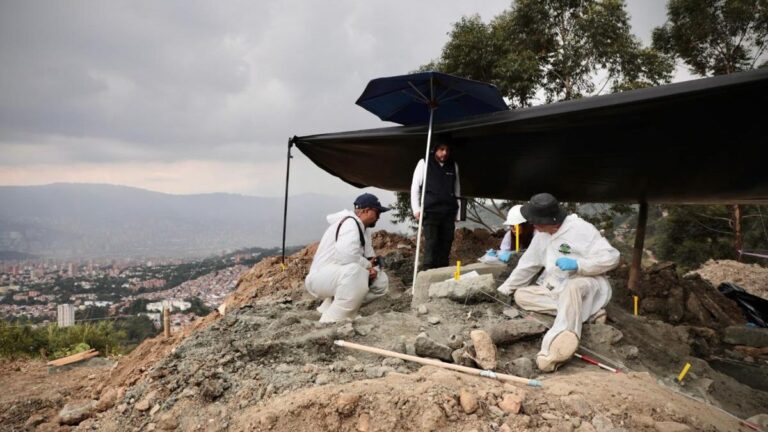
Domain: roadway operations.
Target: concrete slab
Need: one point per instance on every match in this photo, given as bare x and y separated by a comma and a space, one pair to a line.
426, 278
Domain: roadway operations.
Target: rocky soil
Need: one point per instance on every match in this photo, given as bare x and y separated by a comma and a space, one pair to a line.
267, 364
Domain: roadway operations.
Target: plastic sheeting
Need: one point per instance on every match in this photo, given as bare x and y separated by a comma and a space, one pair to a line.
701, 141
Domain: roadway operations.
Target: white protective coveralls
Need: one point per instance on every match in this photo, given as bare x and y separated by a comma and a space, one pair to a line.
339, 271
572, 297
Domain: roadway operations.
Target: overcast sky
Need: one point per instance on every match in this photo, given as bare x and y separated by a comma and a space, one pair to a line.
201, 96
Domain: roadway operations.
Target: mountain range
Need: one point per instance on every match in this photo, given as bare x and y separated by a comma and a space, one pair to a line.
96, 220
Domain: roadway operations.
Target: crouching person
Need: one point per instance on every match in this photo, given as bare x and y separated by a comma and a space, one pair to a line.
345, 272
572, 287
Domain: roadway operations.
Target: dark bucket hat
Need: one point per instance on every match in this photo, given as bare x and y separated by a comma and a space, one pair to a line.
543, 209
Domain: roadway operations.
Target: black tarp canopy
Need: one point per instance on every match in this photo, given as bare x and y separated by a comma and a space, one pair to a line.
701, 141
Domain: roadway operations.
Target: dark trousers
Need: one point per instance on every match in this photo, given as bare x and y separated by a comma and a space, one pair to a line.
438, 237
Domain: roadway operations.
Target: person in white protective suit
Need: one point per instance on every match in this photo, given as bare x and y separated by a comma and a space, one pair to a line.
514, 217
345, 271
574, 256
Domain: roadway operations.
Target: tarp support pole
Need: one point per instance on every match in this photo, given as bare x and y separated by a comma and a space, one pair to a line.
421, 213
285, 205
738, 241
637, 253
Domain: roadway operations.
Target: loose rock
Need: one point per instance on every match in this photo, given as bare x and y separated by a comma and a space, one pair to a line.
485, 350
427, 347
468, 401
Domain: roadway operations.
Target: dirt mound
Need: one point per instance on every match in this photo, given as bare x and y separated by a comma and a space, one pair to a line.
664, 295
30, 391
752, 277
469, 245
132, 367
432, 399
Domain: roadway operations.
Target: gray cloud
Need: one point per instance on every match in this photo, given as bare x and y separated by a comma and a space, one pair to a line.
92, 82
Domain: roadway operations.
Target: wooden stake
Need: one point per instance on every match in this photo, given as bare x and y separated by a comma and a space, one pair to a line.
683, 372
166, 322
637, 253
438, 363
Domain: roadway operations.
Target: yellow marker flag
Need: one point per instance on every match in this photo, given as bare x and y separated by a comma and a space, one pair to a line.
683, 372
283, 266
517, 237
636, 299
457, 273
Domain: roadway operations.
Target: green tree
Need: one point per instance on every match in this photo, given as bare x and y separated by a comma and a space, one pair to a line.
715, 37
562, 49
555, 49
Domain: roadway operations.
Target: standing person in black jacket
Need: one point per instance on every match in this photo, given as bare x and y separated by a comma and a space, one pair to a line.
441, 204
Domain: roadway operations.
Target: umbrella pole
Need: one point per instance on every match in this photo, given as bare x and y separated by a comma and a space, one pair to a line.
423, 192
285, 205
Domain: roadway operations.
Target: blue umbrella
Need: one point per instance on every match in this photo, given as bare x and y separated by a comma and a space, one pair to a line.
412, 99
428, 97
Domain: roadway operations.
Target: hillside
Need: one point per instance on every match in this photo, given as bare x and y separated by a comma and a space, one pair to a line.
267, 364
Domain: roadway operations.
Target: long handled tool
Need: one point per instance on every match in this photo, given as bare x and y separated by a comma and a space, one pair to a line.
592, 361
438, 363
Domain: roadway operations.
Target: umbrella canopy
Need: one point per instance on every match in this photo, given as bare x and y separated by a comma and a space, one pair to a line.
407, 99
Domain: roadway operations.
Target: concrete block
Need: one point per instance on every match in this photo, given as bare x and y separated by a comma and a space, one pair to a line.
469, 290
427, 277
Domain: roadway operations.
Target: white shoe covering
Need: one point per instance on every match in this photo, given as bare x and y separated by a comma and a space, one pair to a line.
561, 349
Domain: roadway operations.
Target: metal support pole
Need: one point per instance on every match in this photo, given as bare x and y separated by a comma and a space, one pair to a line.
738, 241
637, 253
285, 205
421, 213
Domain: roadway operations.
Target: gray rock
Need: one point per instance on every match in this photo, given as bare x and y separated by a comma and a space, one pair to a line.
426, 347
398, 345
465, 290
455, 341
511, 331
433, 320
375, 372
743, 335
522, 367
346, 331
363, 330
392, 362
600, 335
168, 421
511, 313
75, 412
670, 426
576, 405
602, 423
423, 310
630, 352
323, 379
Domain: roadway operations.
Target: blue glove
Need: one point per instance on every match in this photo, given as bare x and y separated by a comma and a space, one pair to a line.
490, 252
504, 256
567, 264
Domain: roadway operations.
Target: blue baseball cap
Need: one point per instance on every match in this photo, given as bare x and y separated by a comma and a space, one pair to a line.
367, 200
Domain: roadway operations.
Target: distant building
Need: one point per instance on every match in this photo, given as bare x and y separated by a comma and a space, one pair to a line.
66, 315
